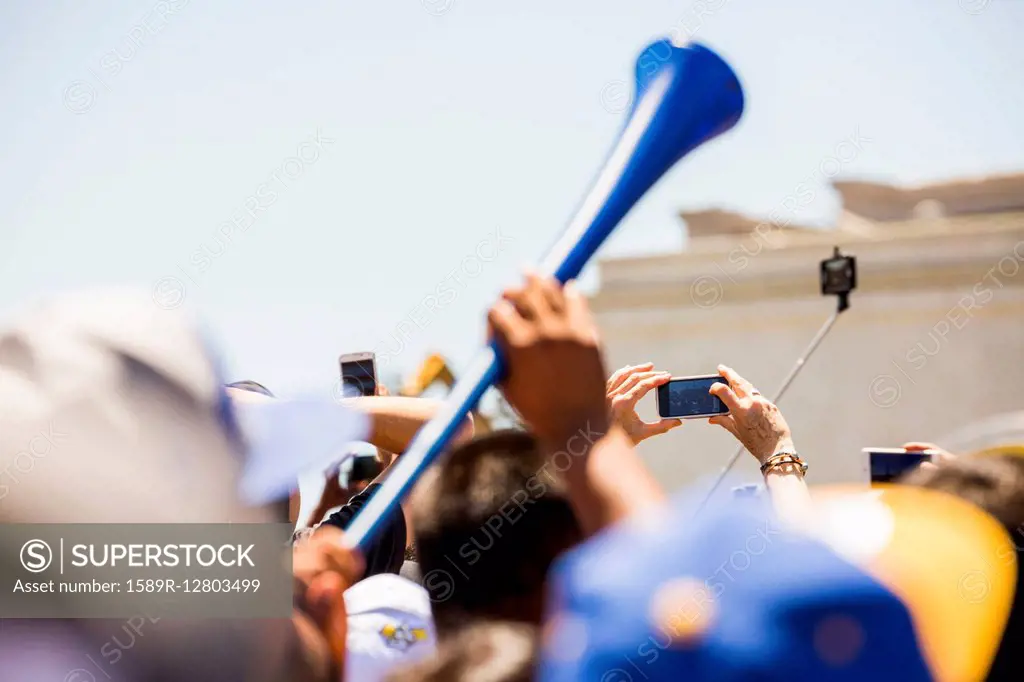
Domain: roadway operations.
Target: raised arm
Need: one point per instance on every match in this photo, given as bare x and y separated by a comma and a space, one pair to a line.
556, 381
396, 419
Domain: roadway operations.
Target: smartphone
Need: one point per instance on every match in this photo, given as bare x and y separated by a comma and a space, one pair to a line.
358, 374
688, 397
364, 468
885, 465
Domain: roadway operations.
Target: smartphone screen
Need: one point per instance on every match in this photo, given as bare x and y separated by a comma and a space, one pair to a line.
888, 465
359, 377
689, 397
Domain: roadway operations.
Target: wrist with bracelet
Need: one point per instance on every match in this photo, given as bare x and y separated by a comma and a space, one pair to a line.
784, 457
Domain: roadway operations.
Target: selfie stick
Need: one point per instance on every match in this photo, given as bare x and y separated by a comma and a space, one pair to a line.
685, 96
842, 304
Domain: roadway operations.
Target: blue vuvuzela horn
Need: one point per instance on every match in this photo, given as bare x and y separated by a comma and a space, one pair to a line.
685, 96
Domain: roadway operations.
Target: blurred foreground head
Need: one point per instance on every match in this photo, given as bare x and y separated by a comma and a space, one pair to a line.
490, 520
885, 586
112, 411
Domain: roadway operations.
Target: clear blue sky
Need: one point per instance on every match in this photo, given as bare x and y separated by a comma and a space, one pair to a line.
125, 149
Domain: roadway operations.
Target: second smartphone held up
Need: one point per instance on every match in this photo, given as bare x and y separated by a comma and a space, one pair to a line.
887, 465
688, 398
358, 374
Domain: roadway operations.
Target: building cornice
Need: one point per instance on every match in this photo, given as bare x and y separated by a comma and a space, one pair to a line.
946, 254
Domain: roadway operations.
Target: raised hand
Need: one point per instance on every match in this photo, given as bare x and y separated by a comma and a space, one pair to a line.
625, 388
555, 373
753, 419
323, 569
942, 455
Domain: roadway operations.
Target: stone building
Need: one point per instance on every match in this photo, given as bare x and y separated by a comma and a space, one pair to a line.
930, 349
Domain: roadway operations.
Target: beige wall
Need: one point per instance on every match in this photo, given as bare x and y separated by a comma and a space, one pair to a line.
883, 376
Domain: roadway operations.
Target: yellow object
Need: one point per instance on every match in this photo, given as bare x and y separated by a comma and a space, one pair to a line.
402, 636
953, 565
435, 369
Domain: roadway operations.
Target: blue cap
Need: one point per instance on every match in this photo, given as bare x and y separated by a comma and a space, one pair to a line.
729, 596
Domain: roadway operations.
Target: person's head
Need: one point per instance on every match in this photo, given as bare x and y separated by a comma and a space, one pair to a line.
995, 484
487, 652
489, 520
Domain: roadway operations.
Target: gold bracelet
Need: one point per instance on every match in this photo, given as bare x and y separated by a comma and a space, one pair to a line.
783, 458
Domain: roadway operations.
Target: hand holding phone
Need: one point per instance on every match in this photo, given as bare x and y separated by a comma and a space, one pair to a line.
364, 469
625, 388
755, 421
939, 454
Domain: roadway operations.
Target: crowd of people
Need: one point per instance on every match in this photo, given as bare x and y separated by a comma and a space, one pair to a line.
544, 552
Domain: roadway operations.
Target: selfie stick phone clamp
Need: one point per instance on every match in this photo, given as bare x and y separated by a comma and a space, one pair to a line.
838, 278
